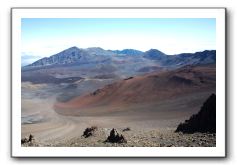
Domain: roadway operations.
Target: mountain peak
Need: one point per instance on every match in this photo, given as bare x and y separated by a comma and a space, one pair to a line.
70, 55
154, 54
72, 48
155, 51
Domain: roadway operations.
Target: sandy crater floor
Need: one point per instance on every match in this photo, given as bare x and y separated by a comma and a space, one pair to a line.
151, 125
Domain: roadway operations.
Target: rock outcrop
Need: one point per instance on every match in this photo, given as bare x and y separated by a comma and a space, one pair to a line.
115, 137
204, 121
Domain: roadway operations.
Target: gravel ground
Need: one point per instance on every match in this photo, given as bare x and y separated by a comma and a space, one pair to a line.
135, 138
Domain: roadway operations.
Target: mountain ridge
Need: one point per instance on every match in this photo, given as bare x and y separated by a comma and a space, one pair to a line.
75, 55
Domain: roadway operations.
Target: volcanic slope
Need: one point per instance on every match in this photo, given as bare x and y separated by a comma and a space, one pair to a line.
144, 91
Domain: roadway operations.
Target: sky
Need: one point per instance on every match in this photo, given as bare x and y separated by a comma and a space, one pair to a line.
43, 37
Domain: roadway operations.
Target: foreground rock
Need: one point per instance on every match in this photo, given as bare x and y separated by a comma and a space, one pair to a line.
89, 131
30, 142
127, 129
115, 137
204, 121
27, 140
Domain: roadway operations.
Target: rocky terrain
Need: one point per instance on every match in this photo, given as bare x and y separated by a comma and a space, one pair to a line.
136, 138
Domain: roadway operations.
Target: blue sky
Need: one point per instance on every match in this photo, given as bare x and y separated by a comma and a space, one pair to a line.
46, 36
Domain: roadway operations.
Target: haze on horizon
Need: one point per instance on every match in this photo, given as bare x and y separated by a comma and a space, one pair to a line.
43, 37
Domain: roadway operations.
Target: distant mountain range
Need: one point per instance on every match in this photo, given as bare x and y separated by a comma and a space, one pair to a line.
205, 57
96, 55
128, 52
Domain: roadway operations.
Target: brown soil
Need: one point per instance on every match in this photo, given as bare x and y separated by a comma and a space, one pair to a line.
147, 89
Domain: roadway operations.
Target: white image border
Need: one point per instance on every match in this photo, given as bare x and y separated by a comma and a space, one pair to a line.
217, 13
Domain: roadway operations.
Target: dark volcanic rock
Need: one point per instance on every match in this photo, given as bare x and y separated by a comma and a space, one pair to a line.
24, 140
128, 78
28, 140
115, 137
89, 131
127, 129
204, 121
31, 138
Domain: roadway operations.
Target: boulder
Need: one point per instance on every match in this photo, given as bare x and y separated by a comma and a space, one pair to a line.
127, 129
28, 140
31, 138
89, 131
115, 137
24, 140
